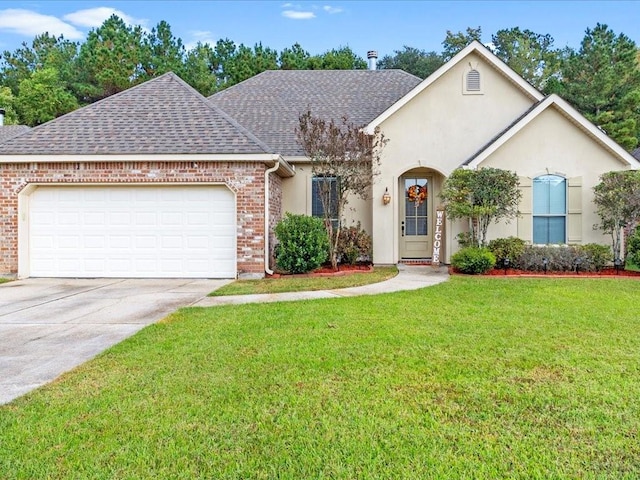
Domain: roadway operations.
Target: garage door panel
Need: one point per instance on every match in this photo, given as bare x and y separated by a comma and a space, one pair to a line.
132, 231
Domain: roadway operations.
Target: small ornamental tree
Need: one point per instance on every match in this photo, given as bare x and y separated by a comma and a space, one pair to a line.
481, 196
345, 152
617, 200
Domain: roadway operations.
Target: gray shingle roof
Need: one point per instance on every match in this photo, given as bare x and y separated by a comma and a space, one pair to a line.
270, 103
7, 132
636, 153
162, 116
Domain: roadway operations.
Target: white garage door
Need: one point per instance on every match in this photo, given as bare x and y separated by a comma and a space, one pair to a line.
132, 231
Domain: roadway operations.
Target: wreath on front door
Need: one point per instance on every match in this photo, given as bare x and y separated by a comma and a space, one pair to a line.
417, 194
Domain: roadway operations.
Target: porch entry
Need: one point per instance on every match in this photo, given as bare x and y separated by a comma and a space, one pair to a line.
416, 238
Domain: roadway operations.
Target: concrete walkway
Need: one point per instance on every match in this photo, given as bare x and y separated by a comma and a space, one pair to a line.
408, 278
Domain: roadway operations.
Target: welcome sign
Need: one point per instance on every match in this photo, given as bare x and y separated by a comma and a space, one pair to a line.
437, 237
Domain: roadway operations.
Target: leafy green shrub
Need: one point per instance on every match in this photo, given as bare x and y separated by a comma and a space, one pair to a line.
354, 244
633, 247
595, 256
303, 245
562, 258
473, 260
510, 247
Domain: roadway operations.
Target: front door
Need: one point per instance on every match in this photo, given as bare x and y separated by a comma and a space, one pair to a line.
415, 234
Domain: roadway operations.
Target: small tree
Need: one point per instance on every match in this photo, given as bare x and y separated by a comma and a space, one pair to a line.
617, 199
481, 196
343, 151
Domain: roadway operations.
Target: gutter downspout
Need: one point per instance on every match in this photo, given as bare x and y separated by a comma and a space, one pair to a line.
268, 172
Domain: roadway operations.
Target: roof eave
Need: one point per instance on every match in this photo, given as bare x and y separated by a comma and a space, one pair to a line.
574, 116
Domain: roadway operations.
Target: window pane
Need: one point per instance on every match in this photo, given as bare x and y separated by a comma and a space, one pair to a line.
549, 230
540, 196
549, 195
422, 226
557, 196
540, 230
556, 230
410, 226
318, 186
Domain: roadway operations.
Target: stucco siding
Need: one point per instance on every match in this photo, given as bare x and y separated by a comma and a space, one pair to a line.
296, 198
552, 144
439, 129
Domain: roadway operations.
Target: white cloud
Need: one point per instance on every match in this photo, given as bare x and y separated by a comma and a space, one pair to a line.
95, 17
330, 9
202, 36
30, 23
295, 15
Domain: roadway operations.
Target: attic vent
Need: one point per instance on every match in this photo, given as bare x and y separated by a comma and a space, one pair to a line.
473, 81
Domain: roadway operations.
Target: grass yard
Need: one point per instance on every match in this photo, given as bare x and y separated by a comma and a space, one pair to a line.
305, 284
473, 378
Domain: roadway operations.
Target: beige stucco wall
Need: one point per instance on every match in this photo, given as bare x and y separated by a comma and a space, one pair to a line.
551, 143
296, 198
439, 129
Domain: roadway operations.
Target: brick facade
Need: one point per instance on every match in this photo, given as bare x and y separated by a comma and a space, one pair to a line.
245, 179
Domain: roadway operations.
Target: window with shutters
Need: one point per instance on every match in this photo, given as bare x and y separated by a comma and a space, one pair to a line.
549, 209
471, 83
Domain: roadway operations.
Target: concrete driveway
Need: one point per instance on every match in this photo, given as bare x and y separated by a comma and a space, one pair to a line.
48, 326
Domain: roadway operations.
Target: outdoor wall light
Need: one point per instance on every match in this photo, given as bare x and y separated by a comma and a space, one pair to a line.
545, 264
386, 197
617, 263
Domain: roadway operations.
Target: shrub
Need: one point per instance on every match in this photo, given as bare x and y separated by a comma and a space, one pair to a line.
354, 244
562, 258
473, 260
303, 245
595, 256
633, 247
511, 248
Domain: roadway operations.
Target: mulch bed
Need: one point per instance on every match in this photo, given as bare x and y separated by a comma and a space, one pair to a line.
327, 271
512, 272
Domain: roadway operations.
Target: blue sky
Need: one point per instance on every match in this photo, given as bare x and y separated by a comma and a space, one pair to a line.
384, 26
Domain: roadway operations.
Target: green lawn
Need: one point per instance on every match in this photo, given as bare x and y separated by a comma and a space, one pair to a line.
473, 378
305, 284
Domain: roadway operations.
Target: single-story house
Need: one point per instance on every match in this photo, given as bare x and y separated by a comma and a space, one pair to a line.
158, 181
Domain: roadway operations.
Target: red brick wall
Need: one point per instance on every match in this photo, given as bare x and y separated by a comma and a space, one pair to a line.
245, 179
275, 212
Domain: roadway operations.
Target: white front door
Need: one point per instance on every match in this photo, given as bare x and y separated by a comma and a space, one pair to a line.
132, 231
415, 235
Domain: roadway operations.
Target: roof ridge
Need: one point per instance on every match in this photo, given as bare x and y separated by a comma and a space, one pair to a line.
219, 111
98, 102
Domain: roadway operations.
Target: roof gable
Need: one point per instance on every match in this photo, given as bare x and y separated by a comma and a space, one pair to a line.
270, 103
553, 101
162, 116
474, 47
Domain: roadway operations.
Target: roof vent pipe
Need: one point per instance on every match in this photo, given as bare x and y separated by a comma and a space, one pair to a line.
2, 112
372, 56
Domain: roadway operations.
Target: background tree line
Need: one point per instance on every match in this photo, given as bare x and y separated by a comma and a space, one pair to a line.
53, 76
